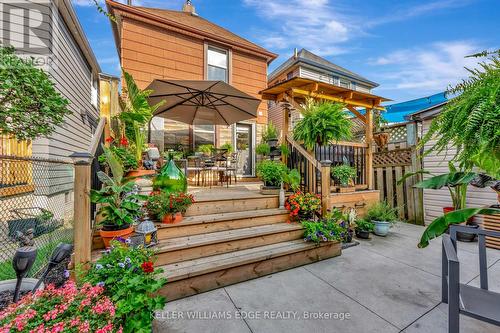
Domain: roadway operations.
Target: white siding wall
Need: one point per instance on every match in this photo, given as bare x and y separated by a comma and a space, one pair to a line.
309, 73
435, 200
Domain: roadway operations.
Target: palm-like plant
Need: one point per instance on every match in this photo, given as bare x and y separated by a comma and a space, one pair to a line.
136, 113
471, 120
323, 122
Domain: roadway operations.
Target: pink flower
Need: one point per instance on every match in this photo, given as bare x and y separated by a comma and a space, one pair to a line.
59, 327
84, 327
105, 329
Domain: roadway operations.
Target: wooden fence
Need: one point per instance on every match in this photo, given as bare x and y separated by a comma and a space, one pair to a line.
390, 165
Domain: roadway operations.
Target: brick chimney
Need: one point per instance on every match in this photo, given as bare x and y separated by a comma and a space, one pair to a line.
189, 8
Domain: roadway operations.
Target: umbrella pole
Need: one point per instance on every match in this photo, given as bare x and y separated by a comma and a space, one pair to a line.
149, 130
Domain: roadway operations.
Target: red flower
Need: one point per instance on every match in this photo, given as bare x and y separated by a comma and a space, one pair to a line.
147, 267
109, 139
124, 141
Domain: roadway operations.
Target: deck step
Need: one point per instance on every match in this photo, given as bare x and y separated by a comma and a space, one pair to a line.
197, 246
230, 204
199, 275
202, 224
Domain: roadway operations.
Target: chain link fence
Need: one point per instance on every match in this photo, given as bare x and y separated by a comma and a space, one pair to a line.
36, 200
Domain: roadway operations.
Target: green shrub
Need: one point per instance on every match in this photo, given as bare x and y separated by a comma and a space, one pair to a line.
270, 133
206, 149
292, 178
263, 149
271, 172
344, 173
324, 231
227, 146
131, 281
364, 225
381, 211
124, 155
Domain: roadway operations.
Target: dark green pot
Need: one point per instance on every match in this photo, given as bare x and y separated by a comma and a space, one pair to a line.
170, 179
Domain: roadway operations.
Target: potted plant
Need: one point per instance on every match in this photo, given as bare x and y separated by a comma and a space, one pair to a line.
227, 147
323, 122
328, 230
271, 173
262, 149
292, 180
383, 216
119, 202
206, 150
169, 207
270, 135
136, 114
123, 153
345, 175
303, 206
363, 228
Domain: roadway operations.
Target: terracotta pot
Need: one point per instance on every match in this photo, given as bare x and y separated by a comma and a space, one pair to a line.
108, 235
172, 218
140, 173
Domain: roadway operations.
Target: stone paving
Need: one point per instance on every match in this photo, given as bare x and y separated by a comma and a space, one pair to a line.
384, 284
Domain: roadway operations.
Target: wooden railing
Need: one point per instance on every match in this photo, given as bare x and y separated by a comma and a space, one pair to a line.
314, 174
353, 153
86, 167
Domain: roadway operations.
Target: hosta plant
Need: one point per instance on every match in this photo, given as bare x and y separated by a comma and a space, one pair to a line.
131, 281
67, 309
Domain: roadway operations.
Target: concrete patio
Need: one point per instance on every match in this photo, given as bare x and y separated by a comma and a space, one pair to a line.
381, 285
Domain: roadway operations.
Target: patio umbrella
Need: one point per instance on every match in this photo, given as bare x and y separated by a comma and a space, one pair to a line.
206, 102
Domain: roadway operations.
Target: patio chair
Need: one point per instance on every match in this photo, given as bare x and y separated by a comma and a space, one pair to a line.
232, 167
194, 164
479, 303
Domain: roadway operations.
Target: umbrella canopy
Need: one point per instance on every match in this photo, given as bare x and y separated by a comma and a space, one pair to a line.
203, 102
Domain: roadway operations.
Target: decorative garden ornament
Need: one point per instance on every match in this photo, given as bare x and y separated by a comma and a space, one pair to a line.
171, 178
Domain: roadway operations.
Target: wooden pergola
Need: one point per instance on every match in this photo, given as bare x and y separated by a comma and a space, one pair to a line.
295, 90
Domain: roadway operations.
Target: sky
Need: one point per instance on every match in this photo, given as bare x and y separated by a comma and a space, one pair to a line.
412, 48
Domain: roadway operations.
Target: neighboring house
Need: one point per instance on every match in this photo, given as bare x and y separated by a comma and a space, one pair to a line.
307, 65
181, 45
51, 33
396, 113
437, 163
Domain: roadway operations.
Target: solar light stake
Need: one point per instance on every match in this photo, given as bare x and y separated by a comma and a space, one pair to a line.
22, 262
60, 253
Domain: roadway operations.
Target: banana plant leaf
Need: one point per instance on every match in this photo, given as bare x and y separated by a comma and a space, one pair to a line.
441, 224
449, 179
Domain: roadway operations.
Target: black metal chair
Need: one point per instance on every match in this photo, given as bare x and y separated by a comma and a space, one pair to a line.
479, 303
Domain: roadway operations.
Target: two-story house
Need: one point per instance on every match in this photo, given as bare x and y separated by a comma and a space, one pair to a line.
305, 64
181, 45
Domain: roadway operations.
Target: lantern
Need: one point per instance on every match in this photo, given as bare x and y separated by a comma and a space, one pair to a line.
148, 230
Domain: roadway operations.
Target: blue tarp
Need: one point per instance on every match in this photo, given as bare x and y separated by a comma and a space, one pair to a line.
397, 112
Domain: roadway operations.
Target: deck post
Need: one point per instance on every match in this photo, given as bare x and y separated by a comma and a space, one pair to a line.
82, 230
325, 186
369, 148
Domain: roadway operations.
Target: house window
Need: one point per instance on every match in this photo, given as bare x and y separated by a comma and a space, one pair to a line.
93, 91
217, 64
289, 75
203, 135
344, 83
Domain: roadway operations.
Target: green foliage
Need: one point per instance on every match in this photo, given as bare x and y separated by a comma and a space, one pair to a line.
381, 211
344, 173
206, 149
119, 204
136, 113
227, 146
162, 203
271, 172
323, 122
284, 150
364, 225
101, 10
292, 178
332, 228
471, 120
441, 224
263, 149
131, 282
270, 133
124, 155
30, 106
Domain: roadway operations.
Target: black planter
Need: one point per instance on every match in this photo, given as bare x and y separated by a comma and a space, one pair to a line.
272, 142
465, 237
348, 238
362, 234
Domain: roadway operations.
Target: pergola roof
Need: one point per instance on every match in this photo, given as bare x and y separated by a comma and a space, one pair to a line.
301, 87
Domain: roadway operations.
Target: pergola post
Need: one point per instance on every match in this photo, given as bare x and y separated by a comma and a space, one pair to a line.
369, 148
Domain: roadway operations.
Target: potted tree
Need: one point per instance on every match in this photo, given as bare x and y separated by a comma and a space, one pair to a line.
119, 202
323, 122
382, 216
271, 173
136, 114
363, 228
270, 135
344, 174
169, 207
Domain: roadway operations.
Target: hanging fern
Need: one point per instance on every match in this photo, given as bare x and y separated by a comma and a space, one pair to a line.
471, 120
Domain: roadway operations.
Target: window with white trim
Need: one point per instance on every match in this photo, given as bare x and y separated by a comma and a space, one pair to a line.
217, 64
